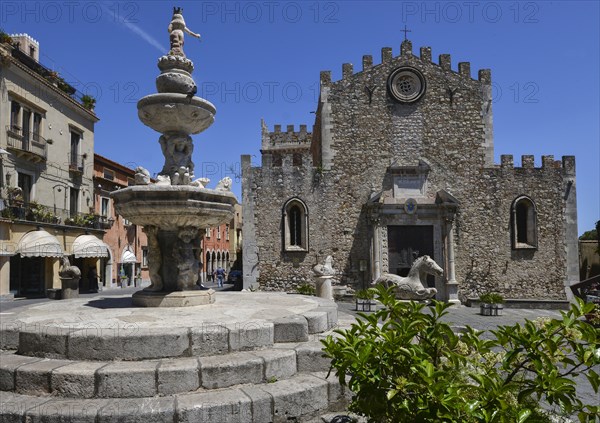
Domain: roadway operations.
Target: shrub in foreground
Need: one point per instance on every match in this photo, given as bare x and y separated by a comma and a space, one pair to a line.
403, 364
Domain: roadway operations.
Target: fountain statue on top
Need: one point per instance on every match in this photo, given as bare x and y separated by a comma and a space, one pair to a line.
175, 208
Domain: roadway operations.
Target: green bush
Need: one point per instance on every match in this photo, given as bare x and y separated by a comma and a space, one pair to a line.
365, 294
491, 298
306, 289
403, 364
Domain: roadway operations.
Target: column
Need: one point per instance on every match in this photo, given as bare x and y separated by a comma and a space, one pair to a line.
451, 285
376, 251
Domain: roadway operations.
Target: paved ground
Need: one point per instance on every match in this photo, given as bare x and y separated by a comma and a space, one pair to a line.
7, 306
457, 316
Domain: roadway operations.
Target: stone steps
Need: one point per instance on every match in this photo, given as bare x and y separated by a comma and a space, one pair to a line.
260, 362
300, 398
131, 342
121, 379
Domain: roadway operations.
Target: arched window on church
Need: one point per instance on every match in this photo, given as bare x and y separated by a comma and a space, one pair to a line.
295, 225
523, 223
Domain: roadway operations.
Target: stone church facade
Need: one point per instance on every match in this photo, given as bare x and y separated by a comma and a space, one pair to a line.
400, 163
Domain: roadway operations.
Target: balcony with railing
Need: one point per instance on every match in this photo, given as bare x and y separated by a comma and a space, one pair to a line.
34, 212
30, 145
76, 163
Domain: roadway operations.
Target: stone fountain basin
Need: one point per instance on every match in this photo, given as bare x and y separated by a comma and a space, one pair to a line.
173, 206
173, 112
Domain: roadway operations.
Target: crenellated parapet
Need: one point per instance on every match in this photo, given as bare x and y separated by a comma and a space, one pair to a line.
567, 164
406, 51
290, 139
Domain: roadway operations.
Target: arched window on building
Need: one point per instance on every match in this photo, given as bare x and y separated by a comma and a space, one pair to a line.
295, 225
523, 223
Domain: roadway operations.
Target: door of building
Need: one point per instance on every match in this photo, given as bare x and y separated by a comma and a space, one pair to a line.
27, 275
406, 244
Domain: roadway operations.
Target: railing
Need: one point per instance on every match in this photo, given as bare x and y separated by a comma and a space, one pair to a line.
588, 290
34, 212
76, 162
29, 141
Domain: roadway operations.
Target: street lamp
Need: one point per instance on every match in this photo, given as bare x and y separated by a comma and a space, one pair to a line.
58, 187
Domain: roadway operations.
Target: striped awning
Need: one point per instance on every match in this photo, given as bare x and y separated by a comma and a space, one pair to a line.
39, 244
89, 246
128, 257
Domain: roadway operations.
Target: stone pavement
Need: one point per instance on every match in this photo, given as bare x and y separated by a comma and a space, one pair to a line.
33, 312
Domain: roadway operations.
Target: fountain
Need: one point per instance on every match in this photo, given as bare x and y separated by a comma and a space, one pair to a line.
247, 357
175, 208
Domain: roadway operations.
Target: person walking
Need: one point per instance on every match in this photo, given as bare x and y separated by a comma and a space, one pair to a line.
220, 274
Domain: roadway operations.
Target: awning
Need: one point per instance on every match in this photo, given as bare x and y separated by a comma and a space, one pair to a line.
128, 257
39, 244
89, 246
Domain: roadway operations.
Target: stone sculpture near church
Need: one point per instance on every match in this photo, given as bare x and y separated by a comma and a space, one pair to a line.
411, 287
323, 275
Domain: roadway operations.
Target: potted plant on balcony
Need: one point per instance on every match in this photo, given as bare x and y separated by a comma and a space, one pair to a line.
5, 38
491, 304
88, 102
364, 300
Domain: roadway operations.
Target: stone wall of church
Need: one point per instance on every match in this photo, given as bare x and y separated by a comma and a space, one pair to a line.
485, 258
361, 131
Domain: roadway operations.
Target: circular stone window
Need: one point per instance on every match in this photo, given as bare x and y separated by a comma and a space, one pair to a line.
406, 84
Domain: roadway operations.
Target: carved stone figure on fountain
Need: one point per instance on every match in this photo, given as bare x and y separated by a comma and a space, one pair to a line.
224, 184
177, 149
184, 256
154, 259
142, 176
176, 29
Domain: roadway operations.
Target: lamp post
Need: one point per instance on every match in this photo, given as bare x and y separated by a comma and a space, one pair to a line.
58, 188
3, 153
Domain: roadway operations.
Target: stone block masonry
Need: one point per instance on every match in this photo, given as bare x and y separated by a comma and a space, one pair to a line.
369, 152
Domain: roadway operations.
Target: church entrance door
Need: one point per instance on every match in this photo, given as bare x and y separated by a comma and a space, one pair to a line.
407, 243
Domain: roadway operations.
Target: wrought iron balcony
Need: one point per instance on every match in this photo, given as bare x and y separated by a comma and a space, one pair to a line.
30, 145
76, 163
34, 212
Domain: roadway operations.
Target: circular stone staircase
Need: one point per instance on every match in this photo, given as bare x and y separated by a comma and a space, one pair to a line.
249, 357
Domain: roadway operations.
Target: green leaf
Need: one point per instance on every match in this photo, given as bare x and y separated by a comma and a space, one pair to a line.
523, 415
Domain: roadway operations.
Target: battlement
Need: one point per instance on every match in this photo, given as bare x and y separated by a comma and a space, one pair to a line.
548, 162
444, 61
290, 139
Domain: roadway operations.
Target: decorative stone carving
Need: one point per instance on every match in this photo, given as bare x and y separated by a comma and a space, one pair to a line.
323, 274
200, 182
69, 278
224, 184
67, 271
177, 149
176, 29
154, 259
411, 287
186, 261
142, 176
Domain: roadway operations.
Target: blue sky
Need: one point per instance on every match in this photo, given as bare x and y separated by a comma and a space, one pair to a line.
262, 60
